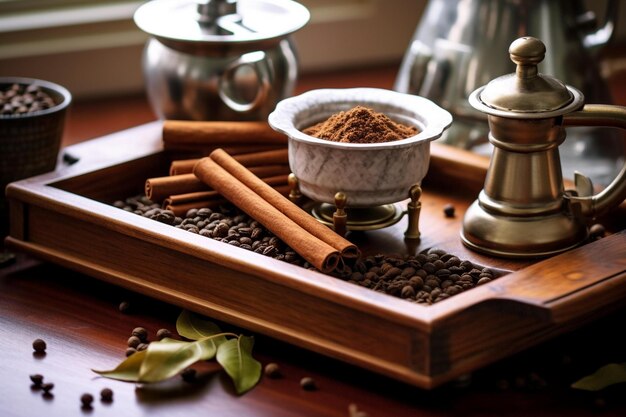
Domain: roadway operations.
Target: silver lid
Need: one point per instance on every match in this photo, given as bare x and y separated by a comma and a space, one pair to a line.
219, 22
526, 93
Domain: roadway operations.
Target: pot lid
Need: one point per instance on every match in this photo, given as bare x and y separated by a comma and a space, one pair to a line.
220, 21
526, 91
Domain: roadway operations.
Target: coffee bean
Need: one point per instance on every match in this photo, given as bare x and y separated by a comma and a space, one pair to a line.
448, 210
39, 345
130, 351
124, 307
272, 370
407, 291
47, 387
133, 342
141, 333
596, 231
163, 333
308, 384
106, 395
37, 379
483, 280
189, 375
142, 346
86, 400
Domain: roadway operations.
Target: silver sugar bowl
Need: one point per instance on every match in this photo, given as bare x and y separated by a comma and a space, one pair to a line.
219, 59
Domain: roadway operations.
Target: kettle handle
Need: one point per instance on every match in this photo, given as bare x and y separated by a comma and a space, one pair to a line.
257, 60
593, 206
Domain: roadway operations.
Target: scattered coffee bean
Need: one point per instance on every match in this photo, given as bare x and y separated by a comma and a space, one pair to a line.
86, 400
133, 342
130, 351
39, 345
141, 333
37, 379
272, 370
448, 210
142, 346
124, 307
596, 231
163, 333
189, 375
47, 387
106, 395
307, 383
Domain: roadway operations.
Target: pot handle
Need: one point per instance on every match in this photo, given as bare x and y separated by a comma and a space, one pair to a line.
593, 206
258, 62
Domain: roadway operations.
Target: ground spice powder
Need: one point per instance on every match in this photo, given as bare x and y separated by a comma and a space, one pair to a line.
360, 125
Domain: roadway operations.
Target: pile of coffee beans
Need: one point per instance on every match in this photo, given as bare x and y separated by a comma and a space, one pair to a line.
224, 224
425, 278
20, 99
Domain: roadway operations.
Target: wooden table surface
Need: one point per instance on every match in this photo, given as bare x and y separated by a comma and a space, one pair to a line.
79, 319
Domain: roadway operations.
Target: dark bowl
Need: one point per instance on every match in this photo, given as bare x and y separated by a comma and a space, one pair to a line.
30, 142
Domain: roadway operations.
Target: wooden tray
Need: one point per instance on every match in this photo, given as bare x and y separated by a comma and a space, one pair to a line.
66, 217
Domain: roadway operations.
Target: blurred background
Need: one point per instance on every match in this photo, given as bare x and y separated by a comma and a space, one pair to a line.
94, 48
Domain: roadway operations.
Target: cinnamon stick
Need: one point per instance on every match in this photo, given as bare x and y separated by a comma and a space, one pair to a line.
182, 134
177, 199
212, 201
157, 189
284, 205
318, 253
273, 157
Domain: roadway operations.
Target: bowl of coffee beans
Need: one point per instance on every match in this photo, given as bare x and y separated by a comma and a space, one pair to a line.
32, 115
370, 144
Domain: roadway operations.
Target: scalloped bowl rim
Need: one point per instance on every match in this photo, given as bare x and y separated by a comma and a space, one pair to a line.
433, 119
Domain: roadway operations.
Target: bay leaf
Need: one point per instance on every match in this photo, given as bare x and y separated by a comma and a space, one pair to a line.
235, 356
168, 357
607, 375
194, 327
128, 370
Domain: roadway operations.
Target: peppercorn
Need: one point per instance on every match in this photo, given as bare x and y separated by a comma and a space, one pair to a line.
307, 383
37, 379
133, 342
106, 395
39, 345
272, 370
188, 375
448, 210
86, 400
163, 333
124, 307
596, 231
141, 333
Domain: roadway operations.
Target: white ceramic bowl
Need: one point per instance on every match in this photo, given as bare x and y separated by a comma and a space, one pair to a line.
369, 174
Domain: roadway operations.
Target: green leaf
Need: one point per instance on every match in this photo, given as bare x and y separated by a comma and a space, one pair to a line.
194, 327
235, 356
169, 357
611, 374
128, 370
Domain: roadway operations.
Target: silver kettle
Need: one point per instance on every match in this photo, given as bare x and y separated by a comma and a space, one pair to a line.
219, 59
460, 45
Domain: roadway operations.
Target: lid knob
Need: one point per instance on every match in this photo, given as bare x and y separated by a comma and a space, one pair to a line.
527, 52
210, 10
526, 91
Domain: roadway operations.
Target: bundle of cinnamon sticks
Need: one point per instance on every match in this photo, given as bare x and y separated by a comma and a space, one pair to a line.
316, 243
254, 144
254, 179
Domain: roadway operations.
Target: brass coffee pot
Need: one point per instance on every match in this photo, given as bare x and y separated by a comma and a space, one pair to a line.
523, 210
